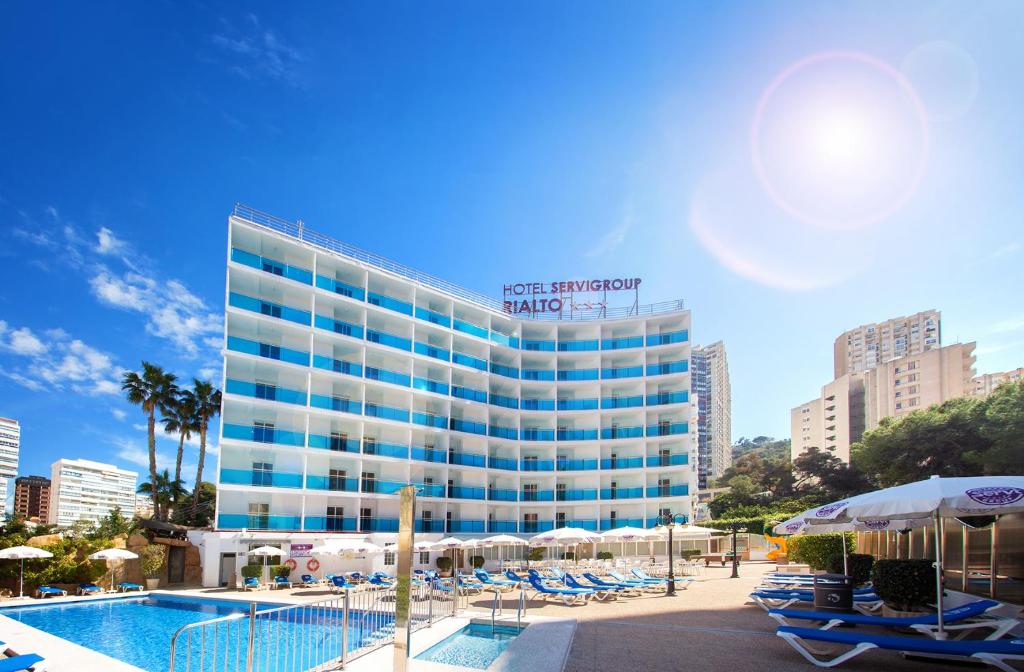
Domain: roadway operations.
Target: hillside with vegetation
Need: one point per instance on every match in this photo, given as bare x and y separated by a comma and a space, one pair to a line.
764, 447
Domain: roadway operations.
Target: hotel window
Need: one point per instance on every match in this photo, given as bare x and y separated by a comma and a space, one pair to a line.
560, 519
263, 432
339, 441
271, 267
913, 402
259, 516
336, 479
369, 481
335, 518
265, 390
424, 558
912, 365
899, 405
389, 555
262, 473
270, 309
270, 351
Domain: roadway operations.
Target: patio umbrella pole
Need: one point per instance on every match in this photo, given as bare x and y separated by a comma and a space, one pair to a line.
941, 634
843, 537
21, 580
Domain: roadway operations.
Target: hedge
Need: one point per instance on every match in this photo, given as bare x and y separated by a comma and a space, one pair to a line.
817, 550
907, 585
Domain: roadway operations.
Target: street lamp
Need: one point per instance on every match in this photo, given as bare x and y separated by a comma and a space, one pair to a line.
669, 520
736, 527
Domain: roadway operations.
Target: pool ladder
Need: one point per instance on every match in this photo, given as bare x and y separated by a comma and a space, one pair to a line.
498, 608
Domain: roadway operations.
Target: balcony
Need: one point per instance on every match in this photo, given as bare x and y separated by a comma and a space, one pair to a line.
261, 479
589, 525
432, 351
575, 495
268, 351
337, 365
385, 449
378, 524
622, 493
534, 434
238, 521
537, 496
667, 429
663, 398
501, 495
668, 490
387, 412
622, 372
337, 444
675, 460
429, 490
538, 374
429, 420
536, 465
427, 385
622, 343
469, 360
338, 326
622, 432
505, 339
390, 340
268, 308
505, 463
573, 375
499, 432
469, 393
428, 315
467, 459
376, 487
503, 370
622, 463
469, 328
622, 402
501, 526
537, 404
538, 346
264, 391
335, 404
388, 302
577, 346
680, 336
576, 435
332, 483
612, 523
575, 465
339, 287
263, 434
577, 405
459, 425
429, 525
679, 366
464, 492
429, 455
465, 526
271, 266
329, 523
536, 526
503, 401
653, 522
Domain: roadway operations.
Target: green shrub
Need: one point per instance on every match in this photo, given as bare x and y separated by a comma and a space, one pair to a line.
280, 570
444, 564
568, 555
907, 585
477, 561
604, 555
252, 571
688, 553
152, 560
536, 555
817, 550
858, 566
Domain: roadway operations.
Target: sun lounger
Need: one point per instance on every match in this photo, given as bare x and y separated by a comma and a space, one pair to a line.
282, 582
568, 596
994, 653
961, 620
642, 575
379, 582
309, 580
126, 586
644, 585
768, 601
625, 588
810, 591
44, 591
89, 589
491, 582
251, 583
29, 661
600, 592
514, 578
340, 583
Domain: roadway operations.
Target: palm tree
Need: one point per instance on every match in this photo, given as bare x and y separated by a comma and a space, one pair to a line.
164, 494
181, 420
154, 391
205, 400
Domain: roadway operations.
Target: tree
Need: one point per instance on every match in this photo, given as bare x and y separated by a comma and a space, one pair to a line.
182, 420
205, 399
821, 471
164, 493
153, 391
1003, 427
114, 524
197, 512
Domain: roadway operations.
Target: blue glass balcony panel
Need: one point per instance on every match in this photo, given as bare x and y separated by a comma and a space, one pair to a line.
653, 521
499, 432
378, 524
432, 351
334, 443
589, 525
429, 490
433, 317
503, 401
329, 524
390, 340
385, 376
577, 405
622, 463
621, 493
267, 350
575, 495
538, 374
469, 426
374, 486
261, 434
263, 391
338, 327
427, 385
469, 393
262, 479
667, 429
612, 523
386, 412
335, 404
501, 495
536, 465
469, 328
268, 308
385, 449
622, 432
578, 374
268, 265
538, 346
536, 526
429, 420
577, 346
575, 465
537, 404
506, 463
505, 339
339, 287
622, 343
467, 459
501, 526
429, 525
577, 435
388, 302
337, 365
662, 398
668, 460
334, 483
622, 402
237, 521
680, 336
622, 372
668, 490
470, 361
533, 434
465, 526
680, 366
537, 496
429, 454
503, 370
464, 492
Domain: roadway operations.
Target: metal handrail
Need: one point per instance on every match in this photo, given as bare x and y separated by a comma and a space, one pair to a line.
299, 231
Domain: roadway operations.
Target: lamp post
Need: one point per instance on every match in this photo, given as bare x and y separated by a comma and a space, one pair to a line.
735, 558
669, 520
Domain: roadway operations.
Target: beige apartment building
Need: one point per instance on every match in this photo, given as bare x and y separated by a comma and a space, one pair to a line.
863, 348
832, 421
986, 383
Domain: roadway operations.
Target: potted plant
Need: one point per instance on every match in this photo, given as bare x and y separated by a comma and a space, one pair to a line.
604, 555
152, 560
858, 566
477, 561
905, 586
444, 565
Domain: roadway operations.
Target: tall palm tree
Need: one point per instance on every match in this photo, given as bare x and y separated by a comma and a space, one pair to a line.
153, 391
164, 493
181, 420
205, 399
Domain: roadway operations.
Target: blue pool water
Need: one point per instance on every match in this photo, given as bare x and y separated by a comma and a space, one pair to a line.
476, 646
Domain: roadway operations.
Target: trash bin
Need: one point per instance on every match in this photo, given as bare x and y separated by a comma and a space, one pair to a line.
833, 592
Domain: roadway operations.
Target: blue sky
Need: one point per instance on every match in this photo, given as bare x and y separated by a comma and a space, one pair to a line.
488, 143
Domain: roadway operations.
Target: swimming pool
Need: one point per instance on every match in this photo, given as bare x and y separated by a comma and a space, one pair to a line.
476, 645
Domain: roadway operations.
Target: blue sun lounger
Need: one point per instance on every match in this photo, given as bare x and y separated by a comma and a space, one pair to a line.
768, 600
309, 580
488, 580
43, 591
967, 617
126, 586
630, 588
644, 585
514, 578
994, 653
29, 661
642, 575
89, 589
810, 591
566, 595
600, 592
339, 582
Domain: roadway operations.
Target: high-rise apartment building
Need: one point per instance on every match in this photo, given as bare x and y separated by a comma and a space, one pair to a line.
10, 447
865, 347
986, 383
87, 490
32, 497
348, 376
713, 393
832, 421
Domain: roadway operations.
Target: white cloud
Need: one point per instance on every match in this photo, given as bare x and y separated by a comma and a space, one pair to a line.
23, 342
107, 242
207, 373
116, 292
255, 51
119, 413
612, 239
59, 362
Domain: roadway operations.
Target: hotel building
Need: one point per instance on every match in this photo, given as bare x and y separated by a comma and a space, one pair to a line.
10, 450
87, 490
986, 383
348, 376
32, 497
712, 394
865, 347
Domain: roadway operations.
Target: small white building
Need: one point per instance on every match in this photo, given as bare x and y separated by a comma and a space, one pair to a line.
83, 489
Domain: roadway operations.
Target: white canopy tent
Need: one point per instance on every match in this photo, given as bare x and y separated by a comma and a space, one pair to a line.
23, 553
113, 554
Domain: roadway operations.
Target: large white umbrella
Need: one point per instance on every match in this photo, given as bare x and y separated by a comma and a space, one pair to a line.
449, 543
113, 554
565, 536
347, 546
267, 552
23, 553
423, 546
630, 534
499, 540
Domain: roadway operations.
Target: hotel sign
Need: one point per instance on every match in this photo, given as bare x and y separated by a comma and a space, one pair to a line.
534, 298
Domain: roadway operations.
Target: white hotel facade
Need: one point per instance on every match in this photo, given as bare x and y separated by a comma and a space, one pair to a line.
347, 376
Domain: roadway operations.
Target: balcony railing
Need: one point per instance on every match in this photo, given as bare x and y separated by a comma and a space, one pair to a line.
336, 443
385, 449
576, 434
429, 525
622, 432
534, 434
501, 495
577, 405
390, 340
338, 326
668, 490
668, 460
680, 366
538, 374
538, 346
536, 496
469, 328
622, 402
612, 523
501, 526
622, 463
504, 370
329, 524
575, 465
429, 420
268, 308
271, 266
536, 465
427, 385
469, 360
262, 479
386, 412
577, 346
589, 525
378, 524
536, 526
575, 495
333, 483
337, 365
429, 455
499, 432
466, 526
432, 351
465, 492
264, 391
389, 302
537, 404
622, 493
662, 398
469, 393
433, 317
469, 426
335, 404
505, 339
467, 459
622, 343
503, 401
578, 374
429, 490
339, 287
667, 429
268, 351
238, 521
505, 463
263, 434
680, 336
